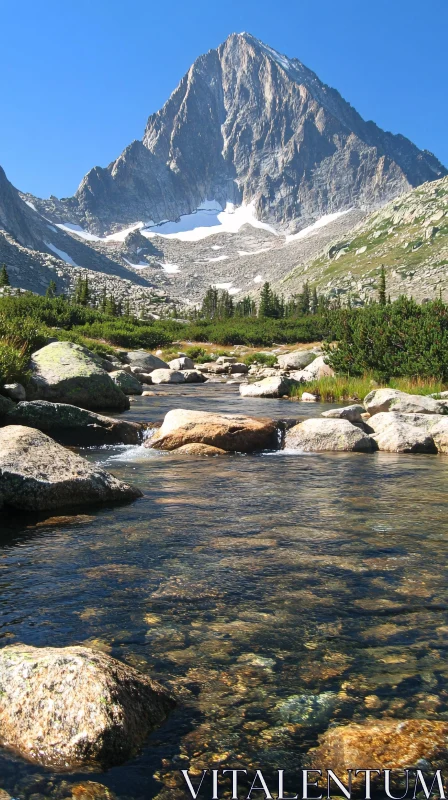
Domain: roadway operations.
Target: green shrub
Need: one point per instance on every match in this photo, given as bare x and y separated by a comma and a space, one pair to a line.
260, 358
13, 364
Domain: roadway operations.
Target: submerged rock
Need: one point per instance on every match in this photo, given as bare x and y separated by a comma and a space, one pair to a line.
128, 383
307, 709
167, 376
73, 707
314, 435
36, 474
230, 432
353, 413
268, 387
382, 744
69, 373
75, 426
197, 449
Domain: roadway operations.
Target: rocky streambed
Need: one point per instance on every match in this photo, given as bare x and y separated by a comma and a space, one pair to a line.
278, 595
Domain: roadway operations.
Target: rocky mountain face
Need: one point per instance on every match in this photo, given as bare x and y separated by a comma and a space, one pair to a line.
408, 236
248, 125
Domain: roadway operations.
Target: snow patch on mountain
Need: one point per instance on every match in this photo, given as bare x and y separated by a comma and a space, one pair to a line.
207, 220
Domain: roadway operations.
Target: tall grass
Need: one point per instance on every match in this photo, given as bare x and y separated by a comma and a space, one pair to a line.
341, 389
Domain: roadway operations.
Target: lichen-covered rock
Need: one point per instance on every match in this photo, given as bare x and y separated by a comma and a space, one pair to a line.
128, 383
297, 359
36, 474
230, 432
393, 400
167, 376
145, 360
353, 413
181, 363
394, 434
197, 449
268, 387
315, 435
74, 426
64, 372
71, 708
382, 744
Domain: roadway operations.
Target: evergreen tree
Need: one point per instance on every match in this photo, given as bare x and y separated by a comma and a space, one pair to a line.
4, 277
103, 301
382, 287
314, 301
111, 307
51, 289
84, 292
265, 308
209, 308
305, 299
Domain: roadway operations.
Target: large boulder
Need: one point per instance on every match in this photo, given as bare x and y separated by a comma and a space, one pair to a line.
268, 387
36, 474
353, 413
297, 359
230, 432
393, 400
167, 376
64, 372
74, 426
72, 708
145, 360
382, 744
317, 434
183, 362
238, 368
439, 433
317, 369
395, 433
128, 383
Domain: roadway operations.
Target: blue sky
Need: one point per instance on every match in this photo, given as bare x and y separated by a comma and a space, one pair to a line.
79, 78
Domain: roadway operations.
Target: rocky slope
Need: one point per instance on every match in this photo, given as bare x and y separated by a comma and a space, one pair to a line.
409, 236
248, 125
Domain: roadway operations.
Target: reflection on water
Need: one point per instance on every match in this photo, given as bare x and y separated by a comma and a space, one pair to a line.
274, 595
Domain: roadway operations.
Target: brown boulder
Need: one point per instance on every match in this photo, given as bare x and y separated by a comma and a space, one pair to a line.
71, 707
230, 432
197, 449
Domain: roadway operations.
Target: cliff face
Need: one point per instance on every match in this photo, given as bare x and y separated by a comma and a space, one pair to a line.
247, 124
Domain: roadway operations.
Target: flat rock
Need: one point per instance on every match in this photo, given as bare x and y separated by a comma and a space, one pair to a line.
353, 413
72, 707
297, 359
268, 387
315, 435
230, 432
129, 384
74, 426
69, 373
145, 360
37, 474
167, 376
181, 363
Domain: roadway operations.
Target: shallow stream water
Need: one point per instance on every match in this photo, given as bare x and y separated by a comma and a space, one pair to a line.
276, 594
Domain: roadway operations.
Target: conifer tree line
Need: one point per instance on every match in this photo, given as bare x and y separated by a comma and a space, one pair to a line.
219, 304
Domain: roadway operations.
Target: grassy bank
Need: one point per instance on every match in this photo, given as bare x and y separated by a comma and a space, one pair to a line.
342, 389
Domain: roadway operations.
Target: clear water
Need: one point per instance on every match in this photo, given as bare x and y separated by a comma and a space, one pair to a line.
247, 584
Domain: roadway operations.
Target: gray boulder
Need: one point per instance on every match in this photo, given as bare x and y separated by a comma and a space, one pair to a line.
268, 387
129, 384
64, 372
318, 434
6, 405
353, 413
439, 433
74, 426
167, 376
393, 400
15, 391
181, 363
399, 436
75, 708
238, 368
148, 362
194, 376
226, 360
36, 474
297, 359
317, 369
